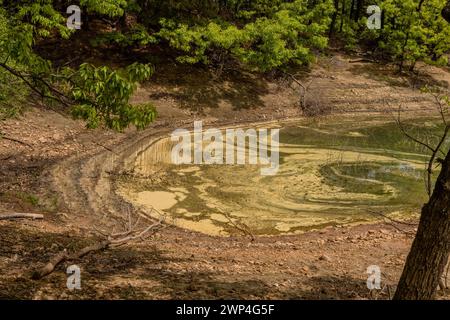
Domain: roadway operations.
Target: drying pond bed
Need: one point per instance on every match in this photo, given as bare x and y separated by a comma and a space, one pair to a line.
339, 171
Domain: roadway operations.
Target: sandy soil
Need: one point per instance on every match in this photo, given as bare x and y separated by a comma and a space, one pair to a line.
65, 171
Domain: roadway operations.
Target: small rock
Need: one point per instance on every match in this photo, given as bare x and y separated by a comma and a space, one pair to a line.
324, 258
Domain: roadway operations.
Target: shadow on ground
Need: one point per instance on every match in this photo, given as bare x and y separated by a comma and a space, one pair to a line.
145, 272
197, 90
390, 75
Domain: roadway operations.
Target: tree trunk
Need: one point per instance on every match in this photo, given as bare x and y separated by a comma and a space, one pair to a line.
334, 18
342, 17
430, 250
446, 11
352, 11
359, 9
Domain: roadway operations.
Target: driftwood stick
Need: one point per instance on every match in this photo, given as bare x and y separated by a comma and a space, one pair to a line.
10, 216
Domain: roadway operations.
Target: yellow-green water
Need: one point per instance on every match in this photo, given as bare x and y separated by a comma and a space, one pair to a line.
332, 171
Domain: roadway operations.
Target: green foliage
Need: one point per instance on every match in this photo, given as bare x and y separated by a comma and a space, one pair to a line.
199, 42
413, 33
13, 95
98, 95
102, 96
259, 35
286, 36
412, 29
41, 17
111, 8
137, 36
28, 198
12, 92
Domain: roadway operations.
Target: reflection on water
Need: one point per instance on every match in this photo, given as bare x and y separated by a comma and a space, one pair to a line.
331, 172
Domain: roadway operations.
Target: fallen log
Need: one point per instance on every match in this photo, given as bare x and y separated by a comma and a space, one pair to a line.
11, 216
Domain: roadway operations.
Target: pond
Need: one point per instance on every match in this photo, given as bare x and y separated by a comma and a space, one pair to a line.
333, 171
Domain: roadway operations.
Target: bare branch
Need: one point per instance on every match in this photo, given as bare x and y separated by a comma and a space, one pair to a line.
59, 98
11, 216
112, 240
15, 140
399, 123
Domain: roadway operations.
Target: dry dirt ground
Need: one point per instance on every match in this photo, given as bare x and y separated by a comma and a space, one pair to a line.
52, 171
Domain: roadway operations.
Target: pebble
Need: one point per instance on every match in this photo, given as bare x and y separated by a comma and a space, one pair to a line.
324, 258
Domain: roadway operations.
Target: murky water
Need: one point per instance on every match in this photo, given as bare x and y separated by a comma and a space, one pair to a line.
332, 171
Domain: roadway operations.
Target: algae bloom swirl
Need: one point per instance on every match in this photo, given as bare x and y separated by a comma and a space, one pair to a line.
331, 172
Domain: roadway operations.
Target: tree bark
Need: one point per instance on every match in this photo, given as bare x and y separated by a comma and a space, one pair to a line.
430, 250
333, 19
446, 11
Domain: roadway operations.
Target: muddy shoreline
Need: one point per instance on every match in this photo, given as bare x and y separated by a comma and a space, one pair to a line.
181, 264
68, 175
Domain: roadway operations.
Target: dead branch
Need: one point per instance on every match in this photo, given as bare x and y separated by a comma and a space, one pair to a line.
16, 141
303, 91
7, 158
112, 240
60, 97
95, 247
140, 235
50, 266
11, 216
409, 136
362, 60
239, 226
64, 256
434, 150
104, 147
394, 222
